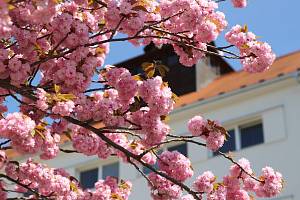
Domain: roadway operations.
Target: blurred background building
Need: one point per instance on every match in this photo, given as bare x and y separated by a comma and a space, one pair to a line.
260, 111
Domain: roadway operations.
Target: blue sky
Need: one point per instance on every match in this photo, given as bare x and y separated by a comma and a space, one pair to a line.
275, 21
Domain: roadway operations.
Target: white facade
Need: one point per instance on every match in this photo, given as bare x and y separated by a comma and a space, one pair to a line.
275, 102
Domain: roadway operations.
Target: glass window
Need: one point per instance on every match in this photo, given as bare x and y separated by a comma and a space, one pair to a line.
28, 193
181, 148
251, 135
110, 170
229, 145
88, 178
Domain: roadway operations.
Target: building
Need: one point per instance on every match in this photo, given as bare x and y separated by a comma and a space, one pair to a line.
260, 111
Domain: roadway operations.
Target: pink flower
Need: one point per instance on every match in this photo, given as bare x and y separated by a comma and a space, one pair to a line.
272, 183
239, 3
256, 56
163, 188
218, 194
41, 103
238, 195
63, 108
85, 141
204, 183
215, 140
197, 125
176, 165
209, 130
236, 171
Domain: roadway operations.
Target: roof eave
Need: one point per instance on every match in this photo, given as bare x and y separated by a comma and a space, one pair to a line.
295, 75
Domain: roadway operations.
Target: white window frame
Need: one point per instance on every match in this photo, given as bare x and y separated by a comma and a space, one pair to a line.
237, 133
95, 164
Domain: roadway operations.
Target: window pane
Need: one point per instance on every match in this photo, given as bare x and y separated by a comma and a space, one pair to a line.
181, 148
229, 145
28, 193
252, 135
110, 170
146, 170
88, 178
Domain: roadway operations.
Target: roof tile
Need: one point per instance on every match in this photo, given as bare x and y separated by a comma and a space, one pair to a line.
240, 79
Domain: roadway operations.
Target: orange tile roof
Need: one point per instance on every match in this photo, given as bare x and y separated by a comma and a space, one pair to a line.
237, 80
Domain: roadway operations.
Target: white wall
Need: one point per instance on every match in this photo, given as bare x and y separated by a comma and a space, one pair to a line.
278, 105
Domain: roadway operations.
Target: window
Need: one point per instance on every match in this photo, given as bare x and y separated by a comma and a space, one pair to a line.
229, 145
243, 136
181, 148
88, 178
27, 193
251, 135
110, 170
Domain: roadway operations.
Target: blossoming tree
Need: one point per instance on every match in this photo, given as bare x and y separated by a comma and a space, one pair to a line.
50, 53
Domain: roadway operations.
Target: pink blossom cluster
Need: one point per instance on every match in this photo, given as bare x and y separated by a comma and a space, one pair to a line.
121, 79
175, 165
110, 106
271, 183
133, 14
63, 108
157, 95
204, 183
58, 184
210, 131
162, 188
26, 137
41, 102
53, 27
35, 113
33, 14
154, 130
42, 178
5, 23
3, 107
107, 189
15, 68
101, 106
239, 3
30, 46
199, 18
239, 183
73, 74
160, 103
256, 56
89, 143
